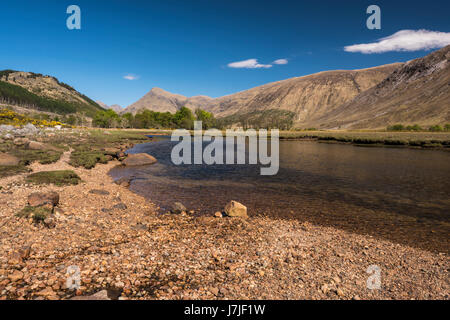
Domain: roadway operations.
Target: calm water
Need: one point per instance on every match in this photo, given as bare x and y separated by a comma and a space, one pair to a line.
400, 194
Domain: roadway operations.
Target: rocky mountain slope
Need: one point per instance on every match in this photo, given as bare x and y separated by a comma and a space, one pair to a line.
414, 92
307, 98
418, 92
162, 101
44, 93
115, 107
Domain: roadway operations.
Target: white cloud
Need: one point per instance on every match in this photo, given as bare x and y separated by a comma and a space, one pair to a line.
281, 61
404, 40
131, 77
248, 64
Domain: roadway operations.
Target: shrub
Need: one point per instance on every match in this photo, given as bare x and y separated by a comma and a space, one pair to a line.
396, 127
59, 178
38, 214
436, 128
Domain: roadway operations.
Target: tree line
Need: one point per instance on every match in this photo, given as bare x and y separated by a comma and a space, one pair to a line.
182, 119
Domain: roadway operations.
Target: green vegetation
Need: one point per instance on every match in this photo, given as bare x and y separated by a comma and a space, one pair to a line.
14, 94
362, 138
6, 171
26, 157
58, 178
38, 214
264, 119
87, 158
416, 127
183, 118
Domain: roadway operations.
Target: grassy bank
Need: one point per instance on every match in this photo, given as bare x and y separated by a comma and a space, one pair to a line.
439, 140
90, 146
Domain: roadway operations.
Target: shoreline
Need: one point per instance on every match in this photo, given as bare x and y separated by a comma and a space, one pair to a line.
139, 254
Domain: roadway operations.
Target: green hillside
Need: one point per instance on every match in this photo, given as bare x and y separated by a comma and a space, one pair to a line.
17, 95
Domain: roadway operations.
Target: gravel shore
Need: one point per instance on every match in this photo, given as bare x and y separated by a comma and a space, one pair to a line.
120, 244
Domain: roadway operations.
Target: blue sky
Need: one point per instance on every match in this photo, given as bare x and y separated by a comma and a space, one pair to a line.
185, 47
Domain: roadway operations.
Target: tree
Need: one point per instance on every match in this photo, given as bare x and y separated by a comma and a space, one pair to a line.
207, 118
106, 119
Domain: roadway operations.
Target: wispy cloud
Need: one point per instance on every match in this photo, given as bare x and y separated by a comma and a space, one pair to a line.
404, 40
281, 61
131, 77
248, 64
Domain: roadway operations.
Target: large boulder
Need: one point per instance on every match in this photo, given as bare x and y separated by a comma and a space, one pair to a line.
34, 145
8, 160
21, 141
37, 199
235, 209
139, 159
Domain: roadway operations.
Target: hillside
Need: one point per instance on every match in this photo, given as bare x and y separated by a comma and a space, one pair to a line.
303, 99
418, 92
162, 101
118, 109
45, 93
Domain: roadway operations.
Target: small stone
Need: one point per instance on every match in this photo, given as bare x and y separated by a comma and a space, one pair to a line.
214, 291
47, 292
236, 209
50, 222
178, 208
218, 214
16, 276
99, 192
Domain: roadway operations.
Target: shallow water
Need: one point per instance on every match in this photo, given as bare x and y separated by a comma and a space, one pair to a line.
399, 194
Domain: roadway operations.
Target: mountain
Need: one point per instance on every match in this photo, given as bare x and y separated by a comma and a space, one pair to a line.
45, 93
162, 101
414, 92
115, 107
303, 99
417, 92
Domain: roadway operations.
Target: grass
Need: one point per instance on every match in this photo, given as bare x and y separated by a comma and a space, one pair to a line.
58, 178
407, 139
91, 149
6, 171
38, 214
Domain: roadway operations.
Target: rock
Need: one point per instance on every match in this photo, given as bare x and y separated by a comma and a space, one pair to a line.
120, 206
218, 214
34, 145
47, 292
101, 295
124, 182
21, 141
139, 159
29, 128
6, 128
37, 199
178, 208
50, 222
8, 160
214, 291
16, 276
8, 136
235, 209
99, 192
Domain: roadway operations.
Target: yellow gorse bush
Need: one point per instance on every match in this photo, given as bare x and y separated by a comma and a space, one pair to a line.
10, 117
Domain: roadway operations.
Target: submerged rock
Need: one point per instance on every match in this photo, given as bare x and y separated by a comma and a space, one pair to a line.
139, 159
178, 208
235, 209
